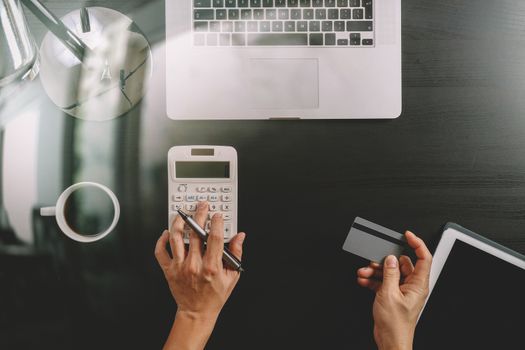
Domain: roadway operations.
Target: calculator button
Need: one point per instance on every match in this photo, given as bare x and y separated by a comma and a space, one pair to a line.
191, 198
213, 207
213, 189
227, 217
213, 198
177, 198
210, 214
177, 206
191, 207
182, 188
226, 198
226, 189
201, 189
202, 197
226, 207
227, 230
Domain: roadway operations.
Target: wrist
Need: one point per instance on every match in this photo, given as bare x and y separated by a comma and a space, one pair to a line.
190, 331
389, 341
197, 318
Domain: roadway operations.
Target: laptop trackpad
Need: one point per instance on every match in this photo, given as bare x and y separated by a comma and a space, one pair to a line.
287, 83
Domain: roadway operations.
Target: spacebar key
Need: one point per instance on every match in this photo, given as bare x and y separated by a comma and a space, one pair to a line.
277, 39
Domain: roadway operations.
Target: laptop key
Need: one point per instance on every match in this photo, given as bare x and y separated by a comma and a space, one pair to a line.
327, 26
277, 26
295, 14
258, 14
238, 39
243, 3
202, 3
200, 26
293, 3
333, 14
230, 3
265, 26
355, 39
220, 14
359, 26
284, 39
224, 39
308, 14
314, 26
255, 3
329, 3
211, 39
367, 4
304, 3
227, 27
317, 3
302, 26
357, 14
354, 3
346, 14
320, 14
253, 26
339, 26
289, 26
203, 15
233, 14
271, 14
240, 26
316, 39
215, 26
280, 3
246, 14
342, 42
284, 14
218, 3
368, 42
342, 3
267, 3
199, 40
329, 39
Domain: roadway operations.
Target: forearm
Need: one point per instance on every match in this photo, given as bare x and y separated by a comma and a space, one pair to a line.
189, 332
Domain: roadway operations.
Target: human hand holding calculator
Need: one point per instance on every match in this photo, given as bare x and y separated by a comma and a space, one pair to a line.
199, 174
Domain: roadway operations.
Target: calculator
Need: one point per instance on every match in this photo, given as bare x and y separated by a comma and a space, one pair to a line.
204, 173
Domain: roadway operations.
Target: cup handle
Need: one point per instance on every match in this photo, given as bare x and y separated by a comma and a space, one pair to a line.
48, 211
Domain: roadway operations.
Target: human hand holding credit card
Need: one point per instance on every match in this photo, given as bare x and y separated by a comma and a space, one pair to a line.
373, 242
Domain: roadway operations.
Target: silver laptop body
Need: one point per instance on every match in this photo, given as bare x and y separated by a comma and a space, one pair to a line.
262, 59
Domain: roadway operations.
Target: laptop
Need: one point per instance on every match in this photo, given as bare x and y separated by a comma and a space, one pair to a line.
289, 59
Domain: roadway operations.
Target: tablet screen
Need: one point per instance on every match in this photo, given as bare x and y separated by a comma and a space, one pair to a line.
478, 302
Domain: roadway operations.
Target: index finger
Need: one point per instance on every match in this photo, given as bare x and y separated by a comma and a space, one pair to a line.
215, 243
424, 258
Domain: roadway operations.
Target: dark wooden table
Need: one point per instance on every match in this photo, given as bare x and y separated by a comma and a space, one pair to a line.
456, 154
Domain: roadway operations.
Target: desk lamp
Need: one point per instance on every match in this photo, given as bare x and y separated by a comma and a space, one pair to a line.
93, 62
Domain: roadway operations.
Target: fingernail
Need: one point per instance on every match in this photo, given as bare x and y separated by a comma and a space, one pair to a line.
217, 216
243, 236
202, 205
391, 262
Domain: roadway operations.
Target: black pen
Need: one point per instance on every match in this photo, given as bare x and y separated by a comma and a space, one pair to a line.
227, 256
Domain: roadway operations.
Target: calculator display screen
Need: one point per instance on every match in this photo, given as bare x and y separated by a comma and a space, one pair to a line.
202, 170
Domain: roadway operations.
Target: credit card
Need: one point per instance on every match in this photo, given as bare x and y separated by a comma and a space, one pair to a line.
373, 242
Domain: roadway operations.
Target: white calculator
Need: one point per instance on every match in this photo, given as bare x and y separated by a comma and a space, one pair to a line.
204, 173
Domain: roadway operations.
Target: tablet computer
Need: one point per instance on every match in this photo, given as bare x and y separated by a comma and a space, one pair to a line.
477, 295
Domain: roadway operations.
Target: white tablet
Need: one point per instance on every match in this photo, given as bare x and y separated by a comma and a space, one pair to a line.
477, 295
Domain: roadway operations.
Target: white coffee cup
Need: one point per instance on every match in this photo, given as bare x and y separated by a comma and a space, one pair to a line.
59, 212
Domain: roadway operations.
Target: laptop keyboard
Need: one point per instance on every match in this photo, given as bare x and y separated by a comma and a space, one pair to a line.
319, 23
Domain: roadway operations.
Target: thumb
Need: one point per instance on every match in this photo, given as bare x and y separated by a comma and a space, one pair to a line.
391, 274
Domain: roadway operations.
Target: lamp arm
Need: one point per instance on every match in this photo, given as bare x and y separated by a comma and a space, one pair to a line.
57, 27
